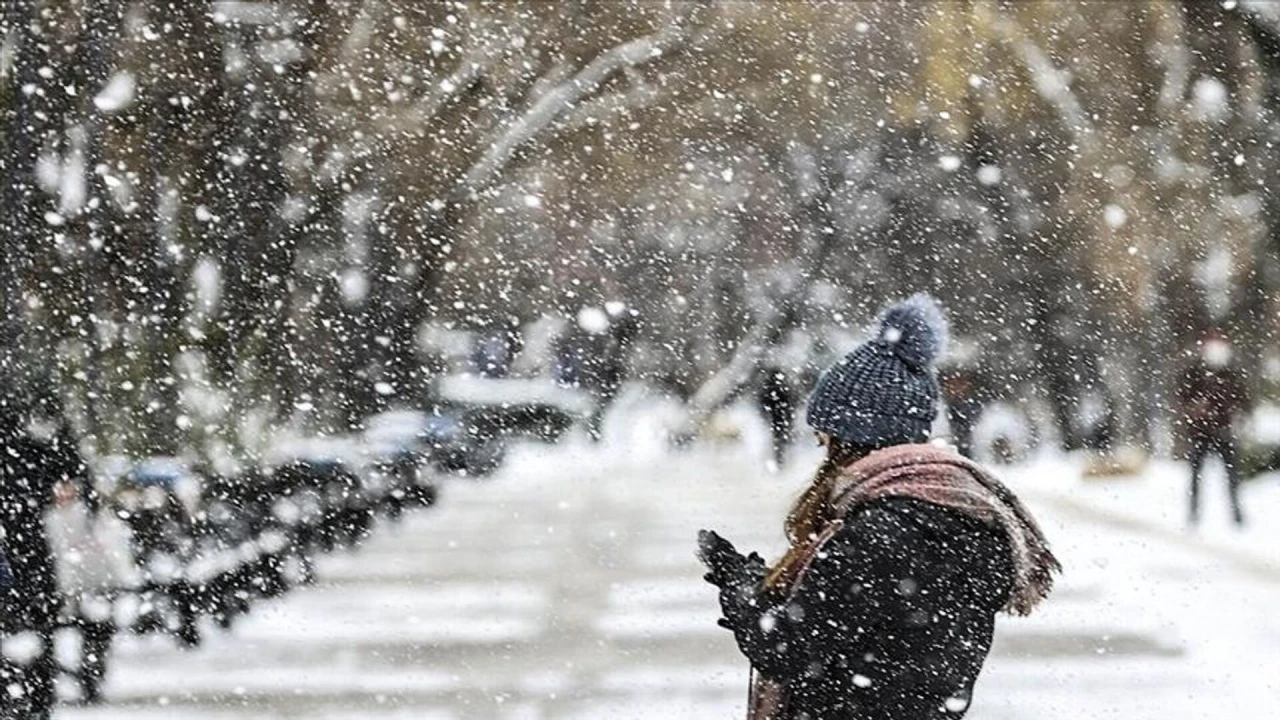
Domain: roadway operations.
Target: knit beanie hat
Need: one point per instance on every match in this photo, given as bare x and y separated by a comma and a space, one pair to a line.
884, 392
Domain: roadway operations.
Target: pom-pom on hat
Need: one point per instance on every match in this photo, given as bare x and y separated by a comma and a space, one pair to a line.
884, 392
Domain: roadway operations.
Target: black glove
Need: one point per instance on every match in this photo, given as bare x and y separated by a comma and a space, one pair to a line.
755, 568
738, 577
723, 561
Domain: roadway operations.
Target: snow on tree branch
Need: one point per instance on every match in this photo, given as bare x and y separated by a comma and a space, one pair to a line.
1051, 83
552, 105
1263, 21
477, 61
466, 75
1265, 11
818, 243
638, 95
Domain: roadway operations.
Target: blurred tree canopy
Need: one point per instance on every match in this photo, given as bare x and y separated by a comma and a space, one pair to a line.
221, 214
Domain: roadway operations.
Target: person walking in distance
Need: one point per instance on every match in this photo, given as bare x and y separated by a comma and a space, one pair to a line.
29, 607
961, 389
1212, 394
901, 553
773, 396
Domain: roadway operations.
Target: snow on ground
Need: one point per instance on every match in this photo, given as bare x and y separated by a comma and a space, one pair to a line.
566, 587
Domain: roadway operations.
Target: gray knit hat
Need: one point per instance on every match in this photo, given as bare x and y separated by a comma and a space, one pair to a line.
884, 392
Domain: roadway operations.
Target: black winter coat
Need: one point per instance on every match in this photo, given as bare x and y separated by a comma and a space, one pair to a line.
1211, 398
892, 621
28, 471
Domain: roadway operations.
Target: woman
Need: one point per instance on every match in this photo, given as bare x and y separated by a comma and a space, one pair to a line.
901, 553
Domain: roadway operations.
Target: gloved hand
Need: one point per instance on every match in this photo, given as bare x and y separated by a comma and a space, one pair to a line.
738, 577
720, 556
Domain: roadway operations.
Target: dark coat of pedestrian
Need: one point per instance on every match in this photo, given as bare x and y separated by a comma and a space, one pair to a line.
1212, 395
29, 468
778, 407
962, 391
902, 553
26, 494
592, 356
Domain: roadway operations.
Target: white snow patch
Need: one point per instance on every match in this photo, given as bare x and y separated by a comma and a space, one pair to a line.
1115, 216
593, 320
355, 286
990, 175
118, 93
1209, 99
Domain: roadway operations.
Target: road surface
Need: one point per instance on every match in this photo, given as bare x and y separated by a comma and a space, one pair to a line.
566, 588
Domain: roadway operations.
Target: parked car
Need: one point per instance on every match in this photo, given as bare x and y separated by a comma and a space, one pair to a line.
447, 439
506, 407
397, 451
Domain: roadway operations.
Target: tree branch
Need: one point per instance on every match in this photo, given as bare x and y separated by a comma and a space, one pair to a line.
1050, 82
551, 106
817, 244
1263, 21
474, 64
467, 74
597, 110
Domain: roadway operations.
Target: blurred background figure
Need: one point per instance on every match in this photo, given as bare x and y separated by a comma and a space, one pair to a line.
775, 396
593, 355
1212, 396
6, 575
93, 561
29, 467
496, 350
161, 544
1097, 419
961, 385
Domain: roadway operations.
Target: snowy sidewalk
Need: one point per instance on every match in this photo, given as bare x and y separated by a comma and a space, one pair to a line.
1181, 621
1155, 503
566, 587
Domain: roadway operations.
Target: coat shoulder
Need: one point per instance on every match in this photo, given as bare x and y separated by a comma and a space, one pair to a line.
931, 541
924, 521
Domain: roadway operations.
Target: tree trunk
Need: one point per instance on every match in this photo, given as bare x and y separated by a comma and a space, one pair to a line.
19, 197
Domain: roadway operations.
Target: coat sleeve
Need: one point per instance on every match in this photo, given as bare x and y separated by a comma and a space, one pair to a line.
864, 581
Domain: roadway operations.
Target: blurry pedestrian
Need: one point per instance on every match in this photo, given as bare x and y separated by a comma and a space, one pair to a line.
1212, 395
902, 553
593, 356
93, 566
495, 351
961, 391
8, 670
28, 469
1096, 410
774, 397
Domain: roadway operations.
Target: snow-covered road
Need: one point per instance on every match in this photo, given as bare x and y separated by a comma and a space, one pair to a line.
567, 588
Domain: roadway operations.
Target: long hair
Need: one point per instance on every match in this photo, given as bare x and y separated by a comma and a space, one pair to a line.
812, 509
